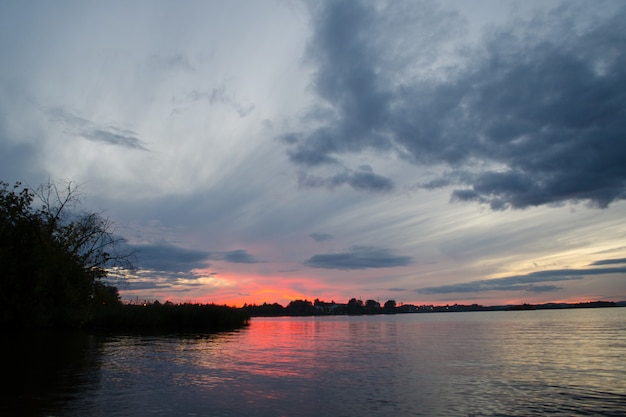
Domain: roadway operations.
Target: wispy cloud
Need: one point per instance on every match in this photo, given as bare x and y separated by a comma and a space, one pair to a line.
363, 179
219, 95
95, 132
522, 282
359, 257
321, 237
114, 136
610, 261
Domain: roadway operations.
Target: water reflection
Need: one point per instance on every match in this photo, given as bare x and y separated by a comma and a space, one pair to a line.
45, 371
458, 364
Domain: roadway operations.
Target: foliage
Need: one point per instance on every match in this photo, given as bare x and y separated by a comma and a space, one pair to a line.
390, 306
265, 310
53, 258
300, 308
355, 307
169, 317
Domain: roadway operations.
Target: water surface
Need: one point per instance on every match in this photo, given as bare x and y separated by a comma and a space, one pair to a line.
522, 363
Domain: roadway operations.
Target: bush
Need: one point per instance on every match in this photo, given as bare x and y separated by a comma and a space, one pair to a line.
168, 317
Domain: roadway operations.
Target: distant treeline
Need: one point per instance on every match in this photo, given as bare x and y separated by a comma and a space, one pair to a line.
371, 307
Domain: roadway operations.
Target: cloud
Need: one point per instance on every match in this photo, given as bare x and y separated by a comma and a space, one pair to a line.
238, 256
610, 261
522, 282
114, 136
177, 61
144, 284
542, 288
321, 237
161, 265
535, 115
169, 258
219, 95
95, 132
359, 257
362, 180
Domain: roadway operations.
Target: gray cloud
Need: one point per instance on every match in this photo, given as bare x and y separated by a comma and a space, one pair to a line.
113, 136
135, 285
542, 288
363, 180
321, 237
178, 61
359, 257
536, 116
522, 282
92, 131
219, 95
610, 261
238, 256
169, 258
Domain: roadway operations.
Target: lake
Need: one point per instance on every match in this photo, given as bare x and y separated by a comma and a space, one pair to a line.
506, 363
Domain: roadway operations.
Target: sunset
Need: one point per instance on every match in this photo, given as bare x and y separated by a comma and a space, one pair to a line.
429, 154
313, 207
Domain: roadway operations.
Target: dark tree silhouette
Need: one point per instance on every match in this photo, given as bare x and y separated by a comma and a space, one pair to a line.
390, 306
355, 307
53, 257
372, 307
300, 308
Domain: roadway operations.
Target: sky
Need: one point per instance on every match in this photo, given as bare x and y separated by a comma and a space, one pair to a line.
429, 152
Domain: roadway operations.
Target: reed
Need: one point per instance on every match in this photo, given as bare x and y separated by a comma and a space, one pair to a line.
169, 317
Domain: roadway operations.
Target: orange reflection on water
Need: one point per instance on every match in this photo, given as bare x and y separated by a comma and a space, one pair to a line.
280, 347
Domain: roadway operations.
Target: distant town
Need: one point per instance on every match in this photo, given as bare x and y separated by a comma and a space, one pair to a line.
372, 307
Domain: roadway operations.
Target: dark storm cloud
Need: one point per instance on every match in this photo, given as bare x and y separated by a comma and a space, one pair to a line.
169, 258
536, 115
522, 282
238, 256
321, 237
359, 257
92, 131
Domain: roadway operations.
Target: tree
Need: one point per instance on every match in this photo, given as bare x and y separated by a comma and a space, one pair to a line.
300, 308
390, 306
355, 307
53, 257
88, 236
372, 307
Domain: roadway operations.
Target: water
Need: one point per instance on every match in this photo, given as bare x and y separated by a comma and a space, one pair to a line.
524, 363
